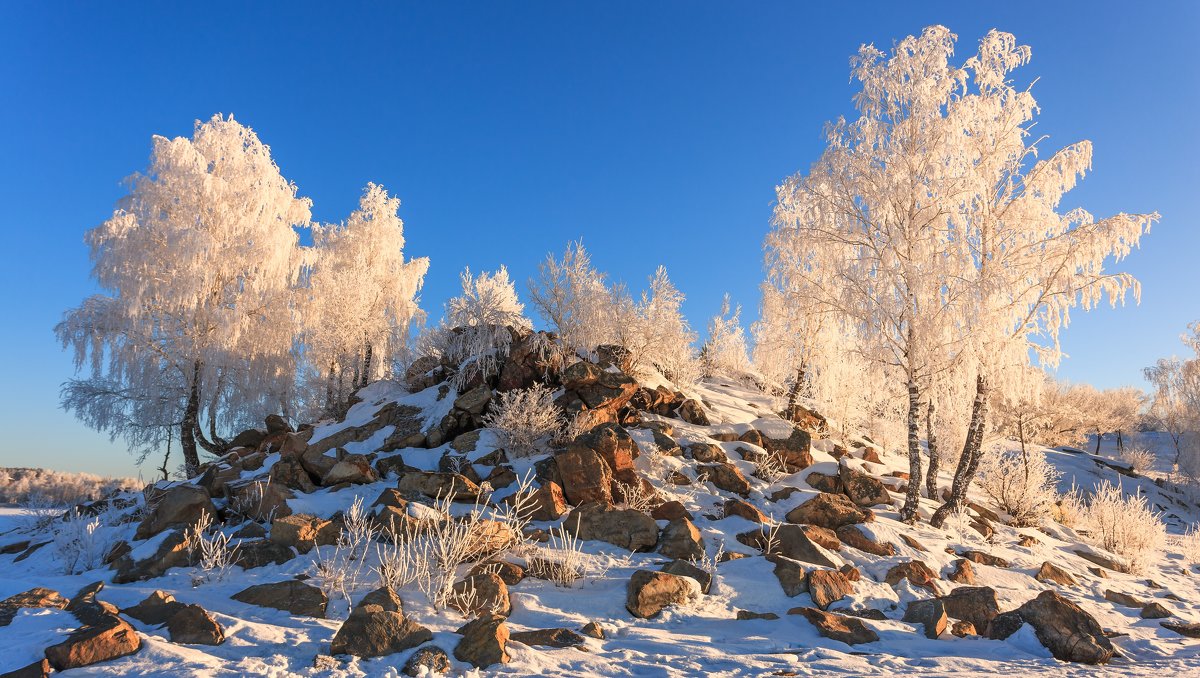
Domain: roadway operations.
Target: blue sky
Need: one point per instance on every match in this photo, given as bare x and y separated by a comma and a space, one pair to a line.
654, 131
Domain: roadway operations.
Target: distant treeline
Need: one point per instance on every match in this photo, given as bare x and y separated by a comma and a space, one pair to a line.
18, 485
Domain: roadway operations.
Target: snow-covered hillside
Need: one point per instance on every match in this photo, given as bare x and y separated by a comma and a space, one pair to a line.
707, 475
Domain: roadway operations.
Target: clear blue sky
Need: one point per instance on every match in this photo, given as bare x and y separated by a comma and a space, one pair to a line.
654, 131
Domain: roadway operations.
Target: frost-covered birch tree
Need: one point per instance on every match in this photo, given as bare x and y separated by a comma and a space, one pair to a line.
930, 225
866, 233
361, 297
198, 264
1030, 263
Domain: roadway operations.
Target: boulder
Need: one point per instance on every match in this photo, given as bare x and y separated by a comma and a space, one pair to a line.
1123, 599
353, 468
438, 485
795, 450
261, 552
510, 573
744, 509
484, 642
917, 573
726, 477
592, 630
180, 505
681, 540
1049, 572
824, 482
981, 558
290, 473
1063, 627
377, 627
291, 596
961, 572
629, 529
33, 598
261, 500
828, 586
585, 476
930, 614
547, 502
686, 568
854, 537
549, 638
426, 660
650, 592
976, 604
172, 551
792, 576
481, 593
707, 453
187, 624
827, 539
300, 531
1155, 610
792, 541
962, 629
863, 489
830, 511
748, 615
691, 411
849, 630
474, 401
107, 638
670, 510
1188, 630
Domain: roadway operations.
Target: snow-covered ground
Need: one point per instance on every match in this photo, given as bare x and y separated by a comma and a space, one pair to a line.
702, 638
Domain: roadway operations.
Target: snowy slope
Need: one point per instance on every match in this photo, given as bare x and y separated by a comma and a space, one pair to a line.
701, 638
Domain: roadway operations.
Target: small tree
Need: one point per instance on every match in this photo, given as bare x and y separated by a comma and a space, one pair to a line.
361, 298
479, 327
199, 263
725, 352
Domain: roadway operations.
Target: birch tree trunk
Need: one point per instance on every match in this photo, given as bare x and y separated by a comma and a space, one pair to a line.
968, 463
187, 427
931, 484
908, 513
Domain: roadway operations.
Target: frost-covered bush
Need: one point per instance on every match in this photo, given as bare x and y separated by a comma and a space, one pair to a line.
523, 417
1139, 459
1189, 545
209, 549
725, 351
478, 332
80, 541
1123, 524
1021, 483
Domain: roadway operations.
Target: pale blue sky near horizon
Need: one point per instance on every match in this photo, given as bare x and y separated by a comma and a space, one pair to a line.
656, 132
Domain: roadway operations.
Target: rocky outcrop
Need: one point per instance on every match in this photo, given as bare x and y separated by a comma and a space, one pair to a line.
795, 450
